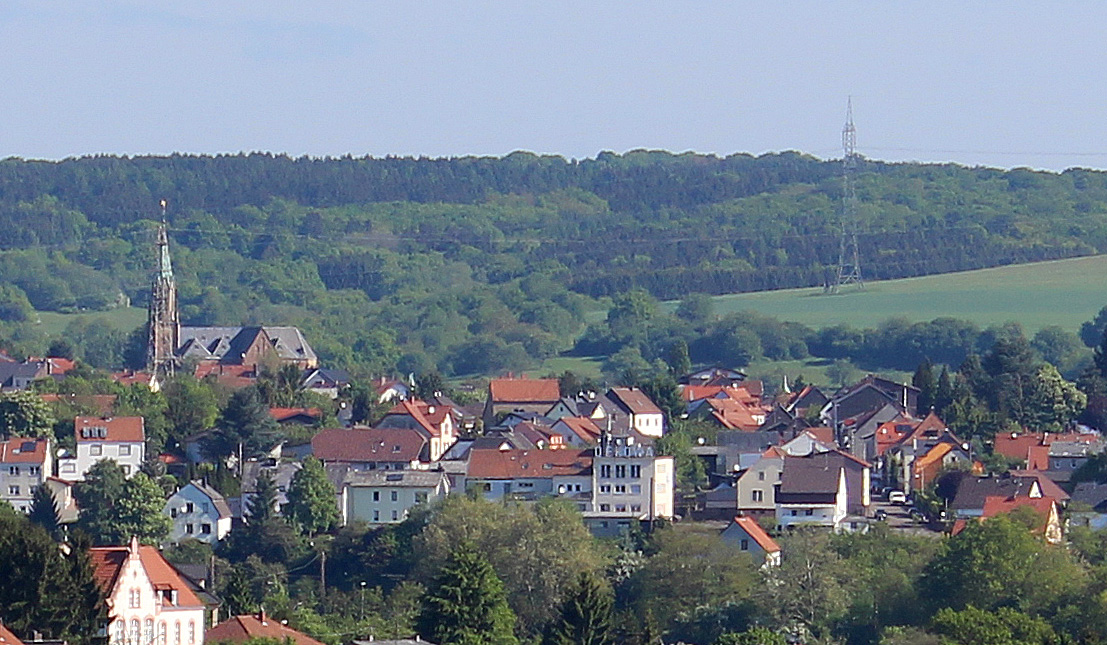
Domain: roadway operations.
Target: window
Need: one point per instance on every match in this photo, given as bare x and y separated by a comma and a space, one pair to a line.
188, 529
376, 496
191, 632
96, 450
757, 495
149, 634
124, 451
635, 472
395, 515
13, 470
135, 630
205, 529
173, 512
376, 516
605, 471
161, 633
620, 508
795, 512
621, 489
189, 507
620, 472
135, 598
809, 511
69, 467
635, 508
605, 508
120, 631
177, 633
761, 476
13, 490
605, 488
745, 545
635, 489
395, 496
34, 470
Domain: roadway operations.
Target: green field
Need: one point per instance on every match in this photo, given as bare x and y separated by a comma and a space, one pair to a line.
123, 318
1064, 292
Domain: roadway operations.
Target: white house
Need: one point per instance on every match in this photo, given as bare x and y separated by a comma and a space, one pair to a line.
630, 481
198, 512
745, 533
386, 497
756, 486
122, 439
811, 493
148, 601
25, 464
644, 415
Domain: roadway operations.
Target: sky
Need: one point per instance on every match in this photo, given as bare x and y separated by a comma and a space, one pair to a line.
983, 83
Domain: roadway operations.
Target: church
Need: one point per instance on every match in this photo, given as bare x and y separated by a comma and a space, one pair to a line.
213, 349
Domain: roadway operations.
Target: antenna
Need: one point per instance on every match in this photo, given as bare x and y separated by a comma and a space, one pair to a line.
164, 204
849, 260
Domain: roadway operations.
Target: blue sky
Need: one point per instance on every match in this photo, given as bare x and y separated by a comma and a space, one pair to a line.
990, 83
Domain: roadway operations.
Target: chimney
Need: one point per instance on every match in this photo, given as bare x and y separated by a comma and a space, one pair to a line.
132, 548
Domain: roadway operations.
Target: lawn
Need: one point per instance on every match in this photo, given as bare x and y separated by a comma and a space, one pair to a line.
1064, 292
123, 318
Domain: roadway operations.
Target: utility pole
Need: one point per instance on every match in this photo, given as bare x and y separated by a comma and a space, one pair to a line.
323, 572
849, 259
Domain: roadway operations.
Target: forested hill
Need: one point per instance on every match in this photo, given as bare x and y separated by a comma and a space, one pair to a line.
396, 249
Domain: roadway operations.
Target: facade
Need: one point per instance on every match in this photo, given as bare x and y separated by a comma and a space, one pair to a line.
629, 480
505, 395
811, 493
25, 464
745, 533
434, 422
122, 439
383, 497
198, 512
528, 475
756, 487
644, 415
148, 600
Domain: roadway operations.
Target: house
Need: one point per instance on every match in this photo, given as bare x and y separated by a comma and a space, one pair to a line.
756, 486
19, 376
519, 395
390, 389
325, 381
809, 442
729, 413
871, 393
373, 448
1089, 505
435, 422
240, 629
122, 439
717, 503
130, 378
1022, 445
629, 480
973, 492
812, 492
1044, 507
25, 464
531, 474
198, 512
386, 497
281, 472
643, 414
577, 432
714, 376
1066, 457
64, 500
296, 416
148, 600
745, 533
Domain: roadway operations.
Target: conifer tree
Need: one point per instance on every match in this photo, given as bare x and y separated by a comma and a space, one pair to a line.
585, 616
928, 386
238, 599
44, 511
263, 503
311, 498
468, 605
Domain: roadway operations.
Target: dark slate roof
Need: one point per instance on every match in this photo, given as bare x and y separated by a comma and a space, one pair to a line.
1092, 494
974, 491
816, 475
215, 496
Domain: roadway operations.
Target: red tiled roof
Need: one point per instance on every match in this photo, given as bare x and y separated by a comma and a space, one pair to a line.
582, 427
8, 638
635, 400
1038, 458
487, 463
1048, 486
997, 504
368, 445
232, 376
429, 416
283, 414
754, 530
129, 429
773, 452
738, 392
1021, 445
107, 562
522, 390
13, 451
238, 629
129, 377
734, 414
822, 434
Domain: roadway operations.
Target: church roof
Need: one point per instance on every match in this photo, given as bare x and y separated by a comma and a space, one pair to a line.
207, 343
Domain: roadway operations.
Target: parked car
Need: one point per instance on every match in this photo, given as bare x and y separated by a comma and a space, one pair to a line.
897, 497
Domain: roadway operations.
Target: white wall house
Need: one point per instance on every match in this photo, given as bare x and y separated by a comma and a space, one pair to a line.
148, 602
25, 464
122, 439
628, 480
756, 487
198, 512
811, 495
386, 497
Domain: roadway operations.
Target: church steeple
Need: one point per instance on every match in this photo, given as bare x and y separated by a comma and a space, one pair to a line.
164, 322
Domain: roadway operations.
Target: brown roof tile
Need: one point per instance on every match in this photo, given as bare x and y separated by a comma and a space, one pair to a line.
239, 629
117, 428
368, 445
524, 390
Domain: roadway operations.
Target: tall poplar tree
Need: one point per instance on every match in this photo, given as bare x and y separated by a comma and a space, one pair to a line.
311, 498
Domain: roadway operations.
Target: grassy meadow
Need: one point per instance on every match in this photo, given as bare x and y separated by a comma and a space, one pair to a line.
1063, 292
122, 318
